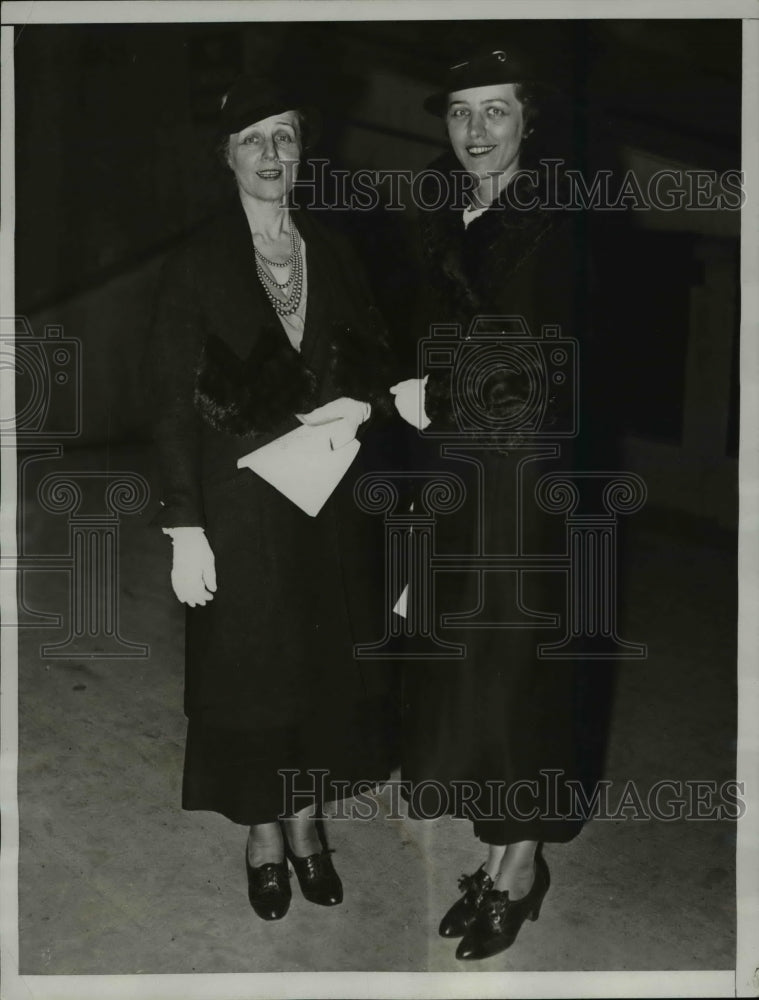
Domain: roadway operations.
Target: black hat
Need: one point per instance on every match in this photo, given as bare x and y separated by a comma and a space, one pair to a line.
482, 70
252, 98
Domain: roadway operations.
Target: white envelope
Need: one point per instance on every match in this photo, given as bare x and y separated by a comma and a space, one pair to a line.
302, 465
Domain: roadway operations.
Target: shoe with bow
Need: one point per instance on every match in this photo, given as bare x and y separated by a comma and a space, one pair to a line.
460, 917
499, 919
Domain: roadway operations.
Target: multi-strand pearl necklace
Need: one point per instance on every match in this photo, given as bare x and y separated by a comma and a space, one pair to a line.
293, 287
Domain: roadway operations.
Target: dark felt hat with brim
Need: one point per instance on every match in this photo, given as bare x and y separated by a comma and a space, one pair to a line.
252, 98
484, 69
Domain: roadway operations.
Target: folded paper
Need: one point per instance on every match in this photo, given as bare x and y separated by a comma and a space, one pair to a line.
302, 465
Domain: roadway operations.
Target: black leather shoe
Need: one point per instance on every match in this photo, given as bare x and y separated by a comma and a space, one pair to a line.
459, 918
499, 919
318, 880
269, 888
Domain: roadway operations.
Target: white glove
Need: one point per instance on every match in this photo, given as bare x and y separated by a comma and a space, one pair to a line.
409, 401
345, 414
193, 571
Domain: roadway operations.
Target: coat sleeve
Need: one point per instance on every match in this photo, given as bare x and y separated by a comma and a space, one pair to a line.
171, 365
566, 285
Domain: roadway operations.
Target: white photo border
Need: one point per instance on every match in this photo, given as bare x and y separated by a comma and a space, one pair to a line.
744, 980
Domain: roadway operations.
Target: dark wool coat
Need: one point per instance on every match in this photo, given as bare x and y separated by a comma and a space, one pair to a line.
500, 713
271, 679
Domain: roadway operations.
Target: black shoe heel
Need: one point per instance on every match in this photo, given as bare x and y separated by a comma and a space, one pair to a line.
545, 877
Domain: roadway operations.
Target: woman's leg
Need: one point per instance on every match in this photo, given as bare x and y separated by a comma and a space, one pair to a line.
265, 844
494, 860
302, 835
517, 869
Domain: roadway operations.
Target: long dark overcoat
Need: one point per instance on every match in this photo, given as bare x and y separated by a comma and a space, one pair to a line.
271, 679
501, 713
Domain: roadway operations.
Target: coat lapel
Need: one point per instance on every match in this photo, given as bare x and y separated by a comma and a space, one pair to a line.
241, 312
476, 262
322, 298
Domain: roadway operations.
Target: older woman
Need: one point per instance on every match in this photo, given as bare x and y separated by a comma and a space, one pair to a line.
263, 323
499, 720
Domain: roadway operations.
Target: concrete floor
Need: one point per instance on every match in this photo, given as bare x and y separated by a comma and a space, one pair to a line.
115, 878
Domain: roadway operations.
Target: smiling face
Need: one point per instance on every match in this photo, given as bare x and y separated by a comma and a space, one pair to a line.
485, 126
264, 157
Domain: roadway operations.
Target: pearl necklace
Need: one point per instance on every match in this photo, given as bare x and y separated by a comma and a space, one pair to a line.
289, 304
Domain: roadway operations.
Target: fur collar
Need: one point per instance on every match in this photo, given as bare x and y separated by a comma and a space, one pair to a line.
258, 395
254, 396
471, 265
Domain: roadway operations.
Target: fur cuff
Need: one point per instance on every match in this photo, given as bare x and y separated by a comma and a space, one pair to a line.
438, 402
500, 405
361, 364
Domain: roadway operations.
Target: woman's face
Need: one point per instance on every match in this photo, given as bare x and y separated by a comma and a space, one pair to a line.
485, 126
264, 156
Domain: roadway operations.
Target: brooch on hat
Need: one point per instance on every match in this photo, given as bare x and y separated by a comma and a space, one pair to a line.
498, 53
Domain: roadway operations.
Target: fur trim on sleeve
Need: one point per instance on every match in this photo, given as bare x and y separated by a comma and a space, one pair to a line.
361, 363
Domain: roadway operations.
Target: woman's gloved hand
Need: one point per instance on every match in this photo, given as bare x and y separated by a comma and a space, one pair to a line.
409, 401
345, 414
193, 570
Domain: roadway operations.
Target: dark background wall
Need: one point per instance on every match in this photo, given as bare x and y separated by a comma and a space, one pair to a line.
115, 163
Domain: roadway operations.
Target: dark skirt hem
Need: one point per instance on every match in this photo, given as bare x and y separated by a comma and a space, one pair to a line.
246, 818
501, 833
